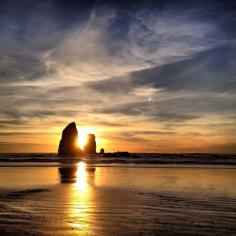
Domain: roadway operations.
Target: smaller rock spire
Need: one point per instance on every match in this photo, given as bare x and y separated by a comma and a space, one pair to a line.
90, 147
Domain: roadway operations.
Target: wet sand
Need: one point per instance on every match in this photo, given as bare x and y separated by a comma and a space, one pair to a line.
118, 200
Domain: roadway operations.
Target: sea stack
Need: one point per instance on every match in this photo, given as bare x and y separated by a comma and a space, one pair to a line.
90, 147
68, 144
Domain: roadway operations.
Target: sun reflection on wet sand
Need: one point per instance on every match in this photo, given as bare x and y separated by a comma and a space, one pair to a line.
81, 177
118, 200
79, 213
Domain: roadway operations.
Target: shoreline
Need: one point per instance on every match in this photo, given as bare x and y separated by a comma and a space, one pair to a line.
119, 165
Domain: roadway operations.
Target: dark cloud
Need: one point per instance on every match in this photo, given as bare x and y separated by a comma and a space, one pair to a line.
212, 71
15, 134
11, 123
150, 110
34, 113
20, 68
177, 109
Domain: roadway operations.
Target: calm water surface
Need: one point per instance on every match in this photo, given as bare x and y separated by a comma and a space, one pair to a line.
78, 200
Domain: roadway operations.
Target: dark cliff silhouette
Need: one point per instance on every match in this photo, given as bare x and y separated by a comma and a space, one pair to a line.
68, 144
68, 141
90, 146
117, 154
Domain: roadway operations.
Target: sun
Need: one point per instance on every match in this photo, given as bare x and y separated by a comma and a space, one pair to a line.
82, 133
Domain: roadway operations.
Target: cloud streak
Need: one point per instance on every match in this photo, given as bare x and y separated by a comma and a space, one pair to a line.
108, 66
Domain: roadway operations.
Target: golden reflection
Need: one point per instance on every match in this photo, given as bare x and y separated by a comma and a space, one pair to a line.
79, 212
81, 175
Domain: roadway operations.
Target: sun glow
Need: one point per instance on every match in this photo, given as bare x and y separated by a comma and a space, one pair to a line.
82, 133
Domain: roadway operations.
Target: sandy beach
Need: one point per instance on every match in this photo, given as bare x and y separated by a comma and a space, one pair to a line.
117, 200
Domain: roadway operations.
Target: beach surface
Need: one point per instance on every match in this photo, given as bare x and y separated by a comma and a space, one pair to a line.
80, 199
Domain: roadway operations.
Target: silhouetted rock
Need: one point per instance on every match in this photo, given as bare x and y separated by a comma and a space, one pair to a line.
68, 144
90, 147
102, 151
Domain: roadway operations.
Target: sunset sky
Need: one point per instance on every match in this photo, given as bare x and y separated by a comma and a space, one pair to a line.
145, 76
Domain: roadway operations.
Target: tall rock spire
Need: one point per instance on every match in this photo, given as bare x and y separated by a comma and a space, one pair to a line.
68, 144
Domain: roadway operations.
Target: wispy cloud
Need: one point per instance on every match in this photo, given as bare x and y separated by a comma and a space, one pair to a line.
108, 67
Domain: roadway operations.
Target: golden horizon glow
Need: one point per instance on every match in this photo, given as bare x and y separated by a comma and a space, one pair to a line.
113, 139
